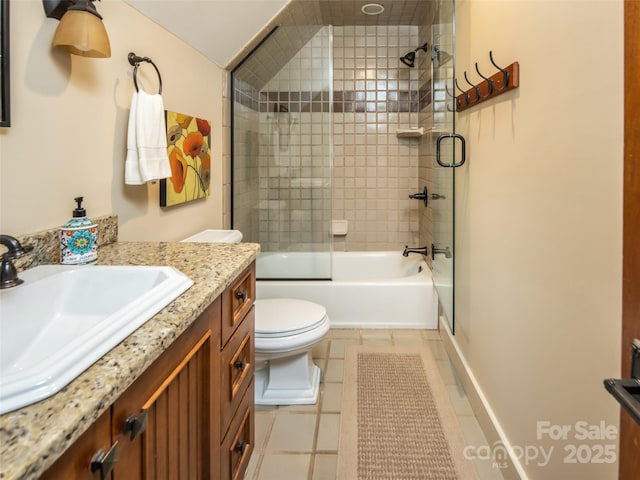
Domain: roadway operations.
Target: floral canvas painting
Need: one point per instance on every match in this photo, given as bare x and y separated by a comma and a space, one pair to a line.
189, 150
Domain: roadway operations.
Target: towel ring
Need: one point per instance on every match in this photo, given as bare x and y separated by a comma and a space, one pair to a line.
135, 60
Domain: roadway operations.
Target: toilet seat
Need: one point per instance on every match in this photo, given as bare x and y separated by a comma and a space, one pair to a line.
284, 317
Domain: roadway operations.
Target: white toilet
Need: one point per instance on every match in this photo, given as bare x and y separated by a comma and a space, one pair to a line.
286, 331
216, 236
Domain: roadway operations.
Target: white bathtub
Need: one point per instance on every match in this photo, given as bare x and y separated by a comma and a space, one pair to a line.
367, 290
443, 279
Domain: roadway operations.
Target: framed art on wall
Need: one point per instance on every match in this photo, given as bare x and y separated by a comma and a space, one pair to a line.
189, 151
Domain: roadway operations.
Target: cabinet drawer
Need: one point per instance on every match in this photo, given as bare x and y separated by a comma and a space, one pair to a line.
237, 365
237, 446
237, 300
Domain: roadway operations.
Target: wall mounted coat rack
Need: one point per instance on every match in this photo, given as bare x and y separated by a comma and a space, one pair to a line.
504, 80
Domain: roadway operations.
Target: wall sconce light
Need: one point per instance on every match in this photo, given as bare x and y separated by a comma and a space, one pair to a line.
81, 31
410, 58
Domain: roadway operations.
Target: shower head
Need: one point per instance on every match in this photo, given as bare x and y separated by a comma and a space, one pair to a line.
440, 57
410, 58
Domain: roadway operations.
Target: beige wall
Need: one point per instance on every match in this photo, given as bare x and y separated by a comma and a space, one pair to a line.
69, 122
539, 216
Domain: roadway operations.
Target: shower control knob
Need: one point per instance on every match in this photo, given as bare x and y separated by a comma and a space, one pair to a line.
424, 196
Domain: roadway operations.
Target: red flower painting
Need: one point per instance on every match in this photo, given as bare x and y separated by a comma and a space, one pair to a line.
189, 150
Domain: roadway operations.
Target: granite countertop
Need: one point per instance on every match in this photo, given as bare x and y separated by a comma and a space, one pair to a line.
33, 437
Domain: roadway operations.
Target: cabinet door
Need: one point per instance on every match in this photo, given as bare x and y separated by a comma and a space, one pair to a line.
167, 422
76, 461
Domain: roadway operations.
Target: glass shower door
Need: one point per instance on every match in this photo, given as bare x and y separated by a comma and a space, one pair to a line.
282, 158
446, 154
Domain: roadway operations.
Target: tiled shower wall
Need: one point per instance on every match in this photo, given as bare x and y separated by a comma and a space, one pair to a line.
441, 114
426, 149
295, 152
374, 171
246, 159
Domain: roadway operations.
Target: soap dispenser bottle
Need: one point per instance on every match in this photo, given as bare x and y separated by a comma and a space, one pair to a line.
79, 238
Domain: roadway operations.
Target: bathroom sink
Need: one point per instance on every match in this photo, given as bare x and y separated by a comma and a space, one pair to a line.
62, 319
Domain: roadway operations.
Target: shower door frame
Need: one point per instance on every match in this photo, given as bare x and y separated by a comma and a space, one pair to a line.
444, 132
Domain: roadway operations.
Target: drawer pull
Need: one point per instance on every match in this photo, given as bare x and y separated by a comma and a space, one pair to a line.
240, 295
104, 462
240, 364
136, 424
240, 447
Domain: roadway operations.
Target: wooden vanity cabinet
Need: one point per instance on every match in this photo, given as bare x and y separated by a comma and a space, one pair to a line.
165, 423
237, 412
190, 415
75, 463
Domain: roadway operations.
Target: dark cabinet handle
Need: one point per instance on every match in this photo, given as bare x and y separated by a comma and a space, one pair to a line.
240, 364
240, 295
240, 447
136, 424
104, 462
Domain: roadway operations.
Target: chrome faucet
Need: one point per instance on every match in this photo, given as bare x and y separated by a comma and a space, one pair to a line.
423, 250
8, 273
435, 251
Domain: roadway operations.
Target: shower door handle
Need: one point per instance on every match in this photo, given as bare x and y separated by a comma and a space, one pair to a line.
464, 150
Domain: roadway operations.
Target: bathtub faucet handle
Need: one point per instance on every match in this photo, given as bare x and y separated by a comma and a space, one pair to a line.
422, 250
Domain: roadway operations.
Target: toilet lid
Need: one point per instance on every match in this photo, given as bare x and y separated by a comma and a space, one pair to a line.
279, 317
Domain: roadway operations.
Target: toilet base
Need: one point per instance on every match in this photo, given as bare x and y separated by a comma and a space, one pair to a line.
293, 380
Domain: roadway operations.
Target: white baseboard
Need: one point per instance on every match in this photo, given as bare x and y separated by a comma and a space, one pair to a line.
483, 411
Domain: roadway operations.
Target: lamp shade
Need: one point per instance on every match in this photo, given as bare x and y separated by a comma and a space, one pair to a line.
82, 33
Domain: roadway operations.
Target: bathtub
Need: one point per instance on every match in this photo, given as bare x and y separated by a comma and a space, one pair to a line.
366, 290
443, 273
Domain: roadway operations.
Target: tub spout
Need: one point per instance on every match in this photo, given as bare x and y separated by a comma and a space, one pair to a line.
422, 250
435, 251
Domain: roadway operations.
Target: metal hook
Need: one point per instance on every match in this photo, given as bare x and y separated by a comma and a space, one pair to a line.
467, 97
476, 88
456, 101
488, 80
505, 73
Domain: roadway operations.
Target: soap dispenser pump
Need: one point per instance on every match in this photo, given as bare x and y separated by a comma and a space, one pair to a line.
79, 238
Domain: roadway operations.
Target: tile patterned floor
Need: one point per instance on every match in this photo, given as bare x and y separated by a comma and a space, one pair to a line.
301, 442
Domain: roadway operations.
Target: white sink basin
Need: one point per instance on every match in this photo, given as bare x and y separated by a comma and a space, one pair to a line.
62, 319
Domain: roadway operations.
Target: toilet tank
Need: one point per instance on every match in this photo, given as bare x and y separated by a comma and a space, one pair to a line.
219, 236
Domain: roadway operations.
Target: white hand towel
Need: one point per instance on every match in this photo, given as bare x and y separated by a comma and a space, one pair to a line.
152, 137
131, 165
